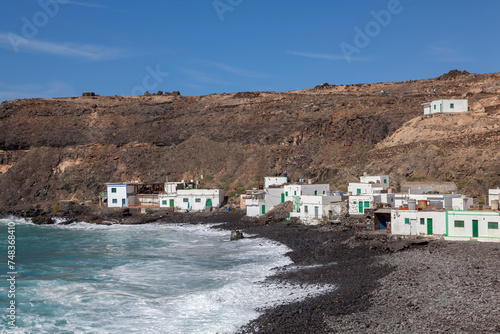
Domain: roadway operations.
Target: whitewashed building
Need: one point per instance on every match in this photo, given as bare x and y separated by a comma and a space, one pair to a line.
313, 209
383, 180
449, 224
118, 194
274, 181
493, 195
439, 201
358, 203
446, 106
192, 199
256, 203
364, 188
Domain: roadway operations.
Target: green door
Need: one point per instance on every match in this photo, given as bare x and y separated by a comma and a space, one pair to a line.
124, 202
209, 202
263, 209
171, 203
360, 207
475, 229
282, 198
429, 226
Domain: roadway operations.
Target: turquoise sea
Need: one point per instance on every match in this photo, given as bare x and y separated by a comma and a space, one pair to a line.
156, 278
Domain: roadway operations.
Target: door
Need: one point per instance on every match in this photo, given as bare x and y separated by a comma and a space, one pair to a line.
171, 203
429, 226
263, 209
124, 202
209, 202
282, 198
383, 222
360, 207
475, 228
316, 212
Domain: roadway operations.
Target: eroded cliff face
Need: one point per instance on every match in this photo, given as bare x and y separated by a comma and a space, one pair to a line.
61, 149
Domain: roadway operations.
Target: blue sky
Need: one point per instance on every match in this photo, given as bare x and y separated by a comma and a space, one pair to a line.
57, 48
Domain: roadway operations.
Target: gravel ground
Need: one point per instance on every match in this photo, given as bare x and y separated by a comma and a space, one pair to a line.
451, 287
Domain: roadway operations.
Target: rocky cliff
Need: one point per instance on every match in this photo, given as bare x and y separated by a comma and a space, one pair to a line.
67, 148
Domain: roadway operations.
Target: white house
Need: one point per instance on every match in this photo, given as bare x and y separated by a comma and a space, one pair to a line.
274, 181
448, 106
292, 190
383, 180
364, 188
192, 199
440, 201
493, 194
450, 224
118, 194
418, 222
358, 203
256, 203
314, 208
274, 196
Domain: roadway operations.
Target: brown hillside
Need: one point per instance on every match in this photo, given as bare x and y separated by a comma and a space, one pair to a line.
66, 148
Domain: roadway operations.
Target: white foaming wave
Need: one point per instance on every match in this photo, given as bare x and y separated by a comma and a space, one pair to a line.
125, 299
16, 220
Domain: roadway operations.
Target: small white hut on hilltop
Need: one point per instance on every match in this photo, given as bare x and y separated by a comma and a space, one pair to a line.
449, 106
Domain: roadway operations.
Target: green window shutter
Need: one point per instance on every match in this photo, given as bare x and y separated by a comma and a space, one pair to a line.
286, 193
113, 190
422, 221
367, 204
452, 105
492, 226
185, 200
385, 180
407, 220
295, 193
358, 191
198, 200
315, 192
459, 223
164, 202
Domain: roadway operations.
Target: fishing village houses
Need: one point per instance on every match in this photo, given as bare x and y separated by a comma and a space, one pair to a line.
433, 209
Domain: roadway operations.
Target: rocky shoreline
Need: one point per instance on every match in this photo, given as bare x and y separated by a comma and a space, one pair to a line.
385, 284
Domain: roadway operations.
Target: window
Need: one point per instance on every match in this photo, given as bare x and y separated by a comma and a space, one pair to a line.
492, 226
295, 193
367, 204
286, 193
434, 107
459, 223
422, 221
115, 201
197, 200
306, 209
358, 191
323, 192
385, 180
452, 105
185, 200
164, 202
407, 220
113, 190
315, 192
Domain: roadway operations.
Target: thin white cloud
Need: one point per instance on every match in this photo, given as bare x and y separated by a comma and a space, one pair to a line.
85, 4
25, 91
232, 69
203, 77
444, 51
325, 56
11, 41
